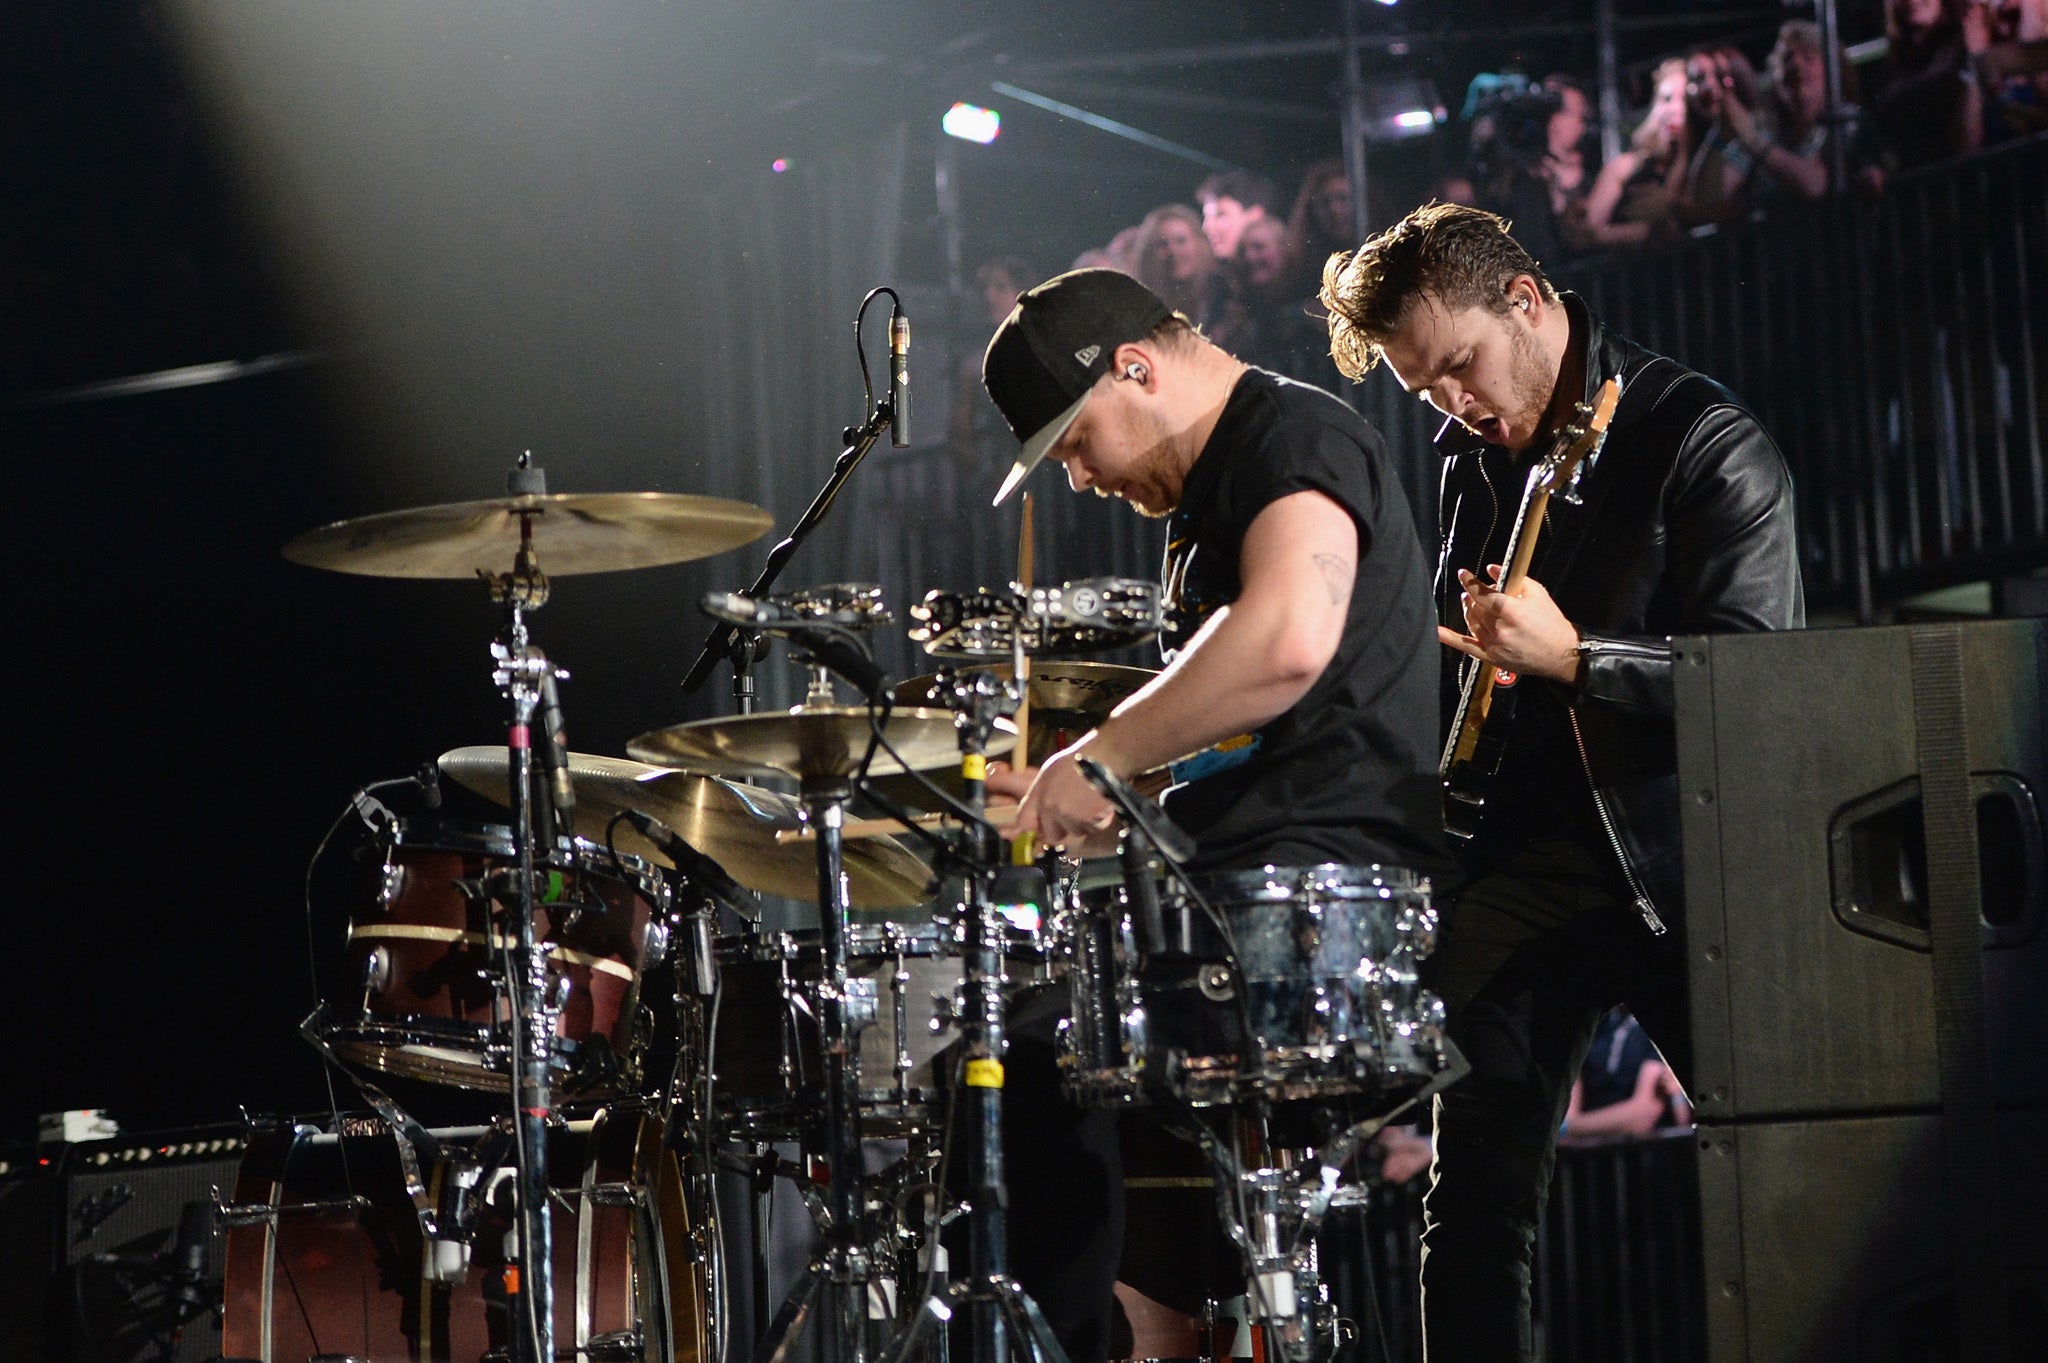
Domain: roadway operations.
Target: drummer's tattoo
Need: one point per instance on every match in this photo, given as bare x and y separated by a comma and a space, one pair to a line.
1337, 573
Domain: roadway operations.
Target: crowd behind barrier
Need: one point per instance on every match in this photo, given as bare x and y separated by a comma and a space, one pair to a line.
1883, 316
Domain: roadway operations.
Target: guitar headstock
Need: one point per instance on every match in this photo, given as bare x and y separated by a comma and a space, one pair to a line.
1578, 444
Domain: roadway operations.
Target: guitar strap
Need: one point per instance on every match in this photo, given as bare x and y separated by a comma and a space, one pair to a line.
1641, 394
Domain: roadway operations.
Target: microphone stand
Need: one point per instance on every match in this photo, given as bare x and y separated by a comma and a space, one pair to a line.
744, 646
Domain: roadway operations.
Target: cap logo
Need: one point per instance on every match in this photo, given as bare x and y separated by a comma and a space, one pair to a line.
1086, 354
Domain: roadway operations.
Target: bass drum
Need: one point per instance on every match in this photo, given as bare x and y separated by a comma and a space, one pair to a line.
326, 1260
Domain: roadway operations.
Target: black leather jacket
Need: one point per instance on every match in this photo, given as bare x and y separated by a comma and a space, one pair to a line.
1686, 528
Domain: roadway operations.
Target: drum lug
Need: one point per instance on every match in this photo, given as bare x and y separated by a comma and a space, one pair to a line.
863, 1005
377, 970
615, 1194
1217, 982
235, 1214
390, 883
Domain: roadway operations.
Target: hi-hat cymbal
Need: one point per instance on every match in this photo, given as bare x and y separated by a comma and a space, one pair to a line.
732, 824
573, 532
816, 744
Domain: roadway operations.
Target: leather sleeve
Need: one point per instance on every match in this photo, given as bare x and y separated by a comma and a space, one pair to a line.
1732, 562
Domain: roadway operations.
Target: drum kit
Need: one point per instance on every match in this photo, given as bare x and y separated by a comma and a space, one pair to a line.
613, 918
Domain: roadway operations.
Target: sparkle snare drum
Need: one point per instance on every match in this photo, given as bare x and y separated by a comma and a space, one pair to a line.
428, 943
1306, 988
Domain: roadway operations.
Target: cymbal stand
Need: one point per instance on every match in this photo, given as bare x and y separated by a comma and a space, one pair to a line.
846, 1271
522, 673
994, 1300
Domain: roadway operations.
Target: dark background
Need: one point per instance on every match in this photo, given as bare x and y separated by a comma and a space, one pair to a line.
468, 229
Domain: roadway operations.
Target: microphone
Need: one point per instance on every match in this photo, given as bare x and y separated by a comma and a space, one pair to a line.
554, 749
831, 645
692, 863
747, 610
899, 378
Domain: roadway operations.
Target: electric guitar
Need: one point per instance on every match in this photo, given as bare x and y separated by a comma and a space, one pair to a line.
1479, 730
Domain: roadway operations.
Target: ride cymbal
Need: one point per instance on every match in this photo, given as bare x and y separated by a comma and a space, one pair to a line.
572, 533
732, 824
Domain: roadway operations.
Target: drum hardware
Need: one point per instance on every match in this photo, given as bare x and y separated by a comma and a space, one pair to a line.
995, 1301
735, 642
1089, 615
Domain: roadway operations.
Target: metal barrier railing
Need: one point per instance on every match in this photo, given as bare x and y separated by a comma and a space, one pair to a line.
1618, 1276
1894, 346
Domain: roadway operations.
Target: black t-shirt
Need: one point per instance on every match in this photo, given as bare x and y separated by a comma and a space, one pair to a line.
1349, 773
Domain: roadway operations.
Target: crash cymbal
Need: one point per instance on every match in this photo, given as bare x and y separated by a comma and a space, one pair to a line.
820, 743
734, 825
1067, 698
573, 532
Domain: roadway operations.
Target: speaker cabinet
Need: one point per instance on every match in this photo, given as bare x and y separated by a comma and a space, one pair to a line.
1799, 761
1830, 1241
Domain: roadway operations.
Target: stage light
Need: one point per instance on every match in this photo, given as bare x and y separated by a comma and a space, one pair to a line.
779, 164
1414, 118
972, 123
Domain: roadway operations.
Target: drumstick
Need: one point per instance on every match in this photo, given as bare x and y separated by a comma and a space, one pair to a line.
1022, 748
882, 828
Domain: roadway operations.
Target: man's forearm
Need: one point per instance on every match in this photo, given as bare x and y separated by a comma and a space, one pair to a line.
1240, 671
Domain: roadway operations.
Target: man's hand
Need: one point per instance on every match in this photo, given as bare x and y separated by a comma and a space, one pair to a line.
1526, 633
1061, 807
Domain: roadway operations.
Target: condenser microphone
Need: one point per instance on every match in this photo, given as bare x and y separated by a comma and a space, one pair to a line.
899, 378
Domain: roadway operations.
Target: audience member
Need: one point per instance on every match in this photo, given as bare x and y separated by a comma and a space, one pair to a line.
1930, 106
1633, 198
1265, 261
2008, 45
1320, 223
1527, 160
1176, 262
1624, 1087
1564, 167
974, 431
1280, 329
1720, 89
1790, 148
1231, 202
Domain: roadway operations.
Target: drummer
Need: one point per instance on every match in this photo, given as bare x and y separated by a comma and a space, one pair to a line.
1297, 709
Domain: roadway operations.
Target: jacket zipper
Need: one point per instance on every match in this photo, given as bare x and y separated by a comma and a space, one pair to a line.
1635, 887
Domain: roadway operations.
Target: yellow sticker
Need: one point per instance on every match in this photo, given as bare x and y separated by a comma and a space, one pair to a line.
974, 767
985, 1074
1024, 849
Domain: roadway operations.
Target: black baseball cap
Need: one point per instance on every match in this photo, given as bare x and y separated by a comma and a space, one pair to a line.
1044, 359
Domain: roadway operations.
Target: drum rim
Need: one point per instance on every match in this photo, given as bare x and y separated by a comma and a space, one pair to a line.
1342, 879
495, 840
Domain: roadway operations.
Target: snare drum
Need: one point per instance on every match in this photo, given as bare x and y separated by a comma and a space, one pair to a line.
428, 944
903, 982
326, 1257
1303, 986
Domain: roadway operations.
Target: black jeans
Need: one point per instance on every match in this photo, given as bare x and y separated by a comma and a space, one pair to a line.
1533, 951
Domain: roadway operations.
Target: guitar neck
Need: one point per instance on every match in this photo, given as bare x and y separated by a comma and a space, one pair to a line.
1475, 701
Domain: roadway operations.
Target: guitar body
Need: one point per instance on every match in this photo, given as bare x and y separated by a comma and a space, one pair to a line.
1468, 775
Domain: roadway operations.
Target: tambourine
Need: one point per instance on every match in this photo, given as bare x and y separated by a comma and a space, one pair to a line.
1072, 619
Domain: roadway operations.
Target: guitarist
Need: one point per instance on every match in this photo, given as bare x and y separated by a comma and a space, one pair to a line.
1572, 897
